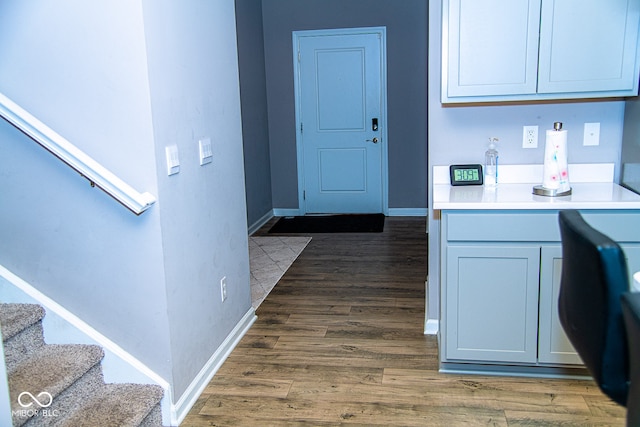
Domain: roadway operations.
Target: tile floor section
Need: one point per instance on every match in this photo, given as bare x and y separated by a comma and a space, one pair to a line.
269, 259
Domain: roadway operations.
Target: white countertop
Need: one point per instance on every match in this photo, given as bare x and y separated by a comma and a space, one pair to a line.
592, 188
585, 195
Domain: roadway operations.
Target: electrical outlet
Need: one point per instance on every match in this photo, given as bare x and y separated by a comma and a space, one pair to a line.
223, 288
530, 137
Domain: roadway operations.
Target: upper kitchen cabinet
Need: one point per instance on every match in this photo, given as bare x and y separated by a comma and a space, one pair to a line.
519, 50
490, 47
589, 46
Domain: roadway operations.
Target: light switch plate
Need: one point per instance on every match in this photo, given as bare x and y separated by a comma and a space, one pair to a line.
206, 152
173, 159
591, 134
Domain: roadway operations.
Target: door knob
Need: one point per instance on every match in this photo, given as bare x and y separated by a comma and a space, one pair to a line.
374, 140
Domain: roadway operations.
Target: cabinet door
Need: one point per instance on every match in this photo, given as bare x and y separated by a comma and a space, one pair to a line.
588, 46
490, 47
553, 344
492, 303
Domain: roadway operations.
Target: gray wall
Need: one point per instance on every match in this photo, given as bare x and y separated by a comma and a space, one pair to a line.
631, 138
122, 80
194, 87
88, 81
406, 23
253, 95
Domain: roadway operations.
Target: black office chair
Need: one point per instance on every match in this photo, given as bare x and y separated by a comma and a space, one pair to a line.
631, 313
594, 277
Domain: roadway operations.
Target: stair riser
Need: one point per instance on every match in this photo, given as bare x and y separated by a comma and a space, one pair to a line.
18, 347
33, 365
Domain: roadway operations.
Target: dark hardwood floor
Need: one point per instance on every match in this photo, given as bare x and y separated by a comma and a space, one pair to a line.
339, 341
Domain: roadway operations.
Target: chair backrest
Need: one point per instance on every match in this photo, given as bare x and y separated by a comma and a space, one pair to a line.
594, 277
631, 313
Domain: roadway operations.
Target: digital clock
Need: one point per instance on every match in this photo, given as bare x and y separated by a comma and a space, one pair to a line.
465, 174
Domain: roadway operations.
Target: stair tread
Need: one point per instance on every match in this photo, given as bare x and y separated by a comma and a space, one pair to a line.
71, 376
52, 369
16, 317
116, 405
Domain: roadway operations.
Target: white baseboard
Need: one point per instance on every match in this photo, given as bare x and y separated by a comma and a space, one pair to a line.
286, 212
431, 327
63, 327
391, 212
408, 211
259, 223
197, 386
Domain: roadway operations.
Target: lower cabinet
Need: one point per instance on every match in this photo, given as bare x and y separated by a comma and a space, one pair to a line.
553, 345
492, 303
500, 297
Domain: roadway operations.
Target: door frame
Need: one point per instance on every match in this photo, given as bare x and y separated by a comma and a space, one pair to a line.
382, 34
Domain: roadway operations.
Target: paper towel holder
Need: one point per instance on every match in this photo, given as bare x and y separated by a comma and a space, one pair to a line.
541, 190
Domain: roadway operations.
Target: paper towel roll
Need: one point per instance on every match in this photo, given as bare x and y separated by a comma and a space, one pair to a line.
555, 174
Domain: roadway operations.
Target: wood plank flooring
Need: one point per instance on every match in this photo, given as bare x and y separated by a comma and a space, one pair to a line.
339, 341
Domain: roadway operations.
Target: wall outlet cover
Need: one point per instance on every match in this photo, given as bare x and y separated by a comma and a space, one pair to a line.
223, 288
530, 137
591, 134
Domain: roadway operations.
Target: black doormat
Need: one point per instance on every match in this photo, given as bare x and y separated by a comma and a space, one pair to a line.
356, 223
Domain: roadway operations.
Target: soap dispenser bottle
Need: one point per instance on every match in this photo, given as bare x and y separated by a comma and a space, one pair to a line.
491, 164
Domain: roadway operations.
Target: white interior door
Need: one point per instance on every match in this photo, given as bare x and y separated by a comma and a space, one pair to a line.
341, 136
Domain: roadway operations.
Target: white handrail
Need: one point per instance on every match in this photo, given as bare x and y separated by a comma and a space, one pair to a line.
97, 174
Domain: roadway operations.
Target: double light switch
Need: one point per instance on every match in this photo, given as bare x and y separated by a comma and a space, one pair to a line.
173, 157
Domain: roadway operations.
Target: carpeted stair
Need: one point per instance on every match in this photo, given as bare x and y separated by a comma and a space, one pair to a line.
72, 375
